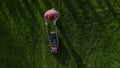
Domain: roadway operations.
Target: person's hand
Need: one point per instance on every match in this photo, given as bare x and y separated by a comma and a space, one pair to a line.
46, 23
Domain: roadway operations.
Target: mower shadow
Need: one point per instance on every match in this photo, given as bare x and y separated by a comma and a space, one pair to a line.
75, 55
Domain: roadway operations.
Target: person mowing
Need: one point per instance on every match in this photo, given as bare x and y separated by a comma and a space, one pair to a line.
51, 15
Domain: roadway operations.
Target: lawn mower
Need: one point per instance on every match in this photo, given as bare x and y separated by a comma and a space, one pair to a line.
54, 43
53, 16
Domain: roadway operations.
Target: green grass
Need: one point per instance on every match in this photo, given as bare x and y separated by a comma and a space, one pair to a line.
89, 32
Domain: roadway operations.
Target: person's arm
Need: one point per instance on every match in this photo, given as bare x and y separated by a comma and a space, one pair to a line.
54, 21
46, 23
45, 17
56, 18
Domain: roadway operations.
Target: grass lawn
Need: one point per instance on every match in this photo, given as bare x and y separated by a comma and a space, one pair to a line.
89, 32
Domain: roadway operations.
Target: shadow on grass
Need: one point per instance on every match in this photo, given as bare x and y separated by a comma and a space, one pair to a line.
77, 57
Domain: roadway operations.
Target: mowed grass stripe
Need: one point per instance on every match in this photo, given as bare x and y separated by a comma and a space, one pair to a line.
5, 31
116, 7
31, 42
109, 5
88, 26
47, 56
106, 45
80, 20
47, 4
12, 48
93, 7
42, 6
44, 39
112, 19
40, 30
6, 12
117, 2
27, 40
105, 13
46, 48
55, 4
75, 17
69, 31
87, 36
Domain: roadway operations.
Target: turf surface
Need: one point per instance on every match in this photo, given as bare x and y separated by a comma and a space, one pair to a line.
89, 32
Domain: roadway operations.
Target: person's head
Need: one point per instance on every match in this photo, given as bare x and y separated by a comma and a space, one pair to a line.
51, 14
